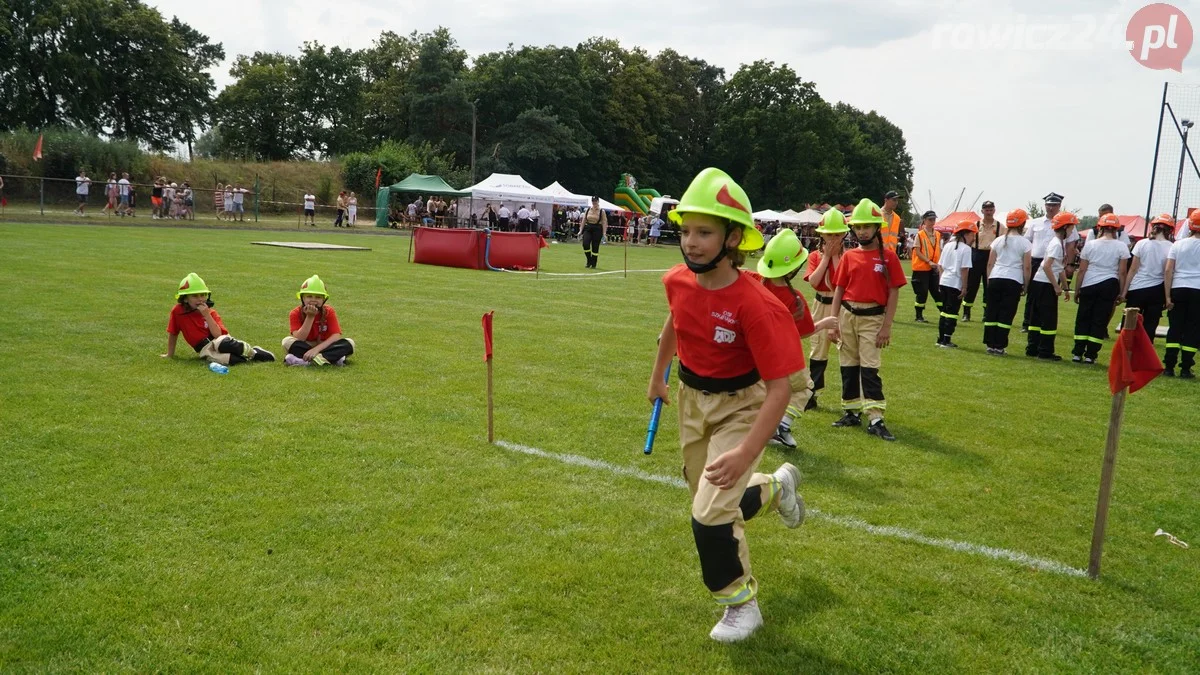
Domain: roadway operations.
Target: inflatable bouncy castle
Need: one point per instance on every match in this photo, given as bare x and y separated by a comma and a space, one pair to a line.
627, 195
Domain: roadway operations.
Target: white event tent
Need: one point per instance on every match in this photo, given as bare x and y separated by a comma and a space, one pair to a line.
565, 197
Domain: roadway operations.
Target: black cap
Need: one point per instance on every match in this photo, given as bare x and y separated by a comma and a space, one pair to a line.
1053, 198
989, 203
928, 214
892, 194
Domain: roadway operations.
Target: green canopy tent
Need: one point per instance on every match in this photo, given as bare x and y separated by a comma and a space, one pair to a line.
418, 183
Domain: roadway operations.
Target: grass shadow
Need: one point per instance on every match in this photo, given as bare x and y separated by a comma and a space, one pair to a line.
832, 472
923, 442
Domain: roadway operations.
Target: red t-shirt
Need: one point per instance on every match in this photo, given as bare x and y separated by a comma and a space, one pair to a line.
795, 303
322, 327
814, 259
864, 277
729, 332
192, 324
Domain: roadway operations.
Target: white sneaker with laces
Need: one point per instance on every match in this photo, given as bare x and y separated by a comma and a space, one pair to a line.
738, 623
783, 436
791, 504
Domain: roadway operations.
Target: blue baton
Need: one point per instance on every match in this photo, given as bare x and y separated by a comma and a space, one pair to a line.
652, 430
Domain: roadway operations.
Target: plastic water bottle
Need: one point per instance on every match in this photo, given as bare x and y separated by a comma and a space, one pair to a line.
218, 368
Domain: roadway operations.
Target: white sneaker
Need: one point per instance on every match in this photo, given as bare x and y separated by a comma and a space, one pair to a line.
791, 504
738, 623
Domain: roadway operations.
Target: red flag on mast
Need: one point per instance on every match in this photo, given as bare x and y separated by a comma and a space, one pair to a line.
378, 175
487, 336
1137, 371
37, 149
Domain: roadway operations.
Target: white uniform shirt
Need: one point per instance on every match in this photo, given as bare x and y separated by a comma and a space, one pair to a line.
1040, 231
1010, 256
1152, 262
1186, 254
504, 213
534, 214
1054, 251
310, 203
1104, 258
523, 213
956, 256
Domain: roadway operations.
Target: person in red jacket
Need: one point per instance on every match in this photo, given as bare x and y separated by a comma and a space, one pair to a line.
737, 349
316, 336
202, 328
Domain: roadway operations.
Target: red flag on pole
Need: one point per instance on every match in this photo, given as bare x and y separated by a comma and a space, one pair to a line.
378, 175
1136, 371
37, 149
487, 336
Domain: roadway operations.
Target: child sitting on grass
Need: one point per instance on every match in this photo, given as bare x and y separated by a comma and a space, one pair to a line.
202, 328
316, 336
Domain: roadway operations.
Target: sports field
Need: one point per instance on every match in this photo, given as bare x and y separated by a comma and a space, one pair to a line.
156, 516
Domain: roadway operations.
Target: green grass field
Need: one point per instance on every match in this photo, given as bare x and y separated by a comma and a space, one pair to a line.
157, 517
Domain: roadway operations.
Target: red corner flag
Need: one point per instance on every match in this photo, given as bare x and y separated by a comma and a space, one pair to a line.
378, 175
1137, 371
487, 336
37, 149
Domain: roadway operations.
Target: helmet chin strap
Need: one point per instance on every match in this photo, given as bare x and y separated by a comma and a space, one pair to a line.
873, 237
701, 268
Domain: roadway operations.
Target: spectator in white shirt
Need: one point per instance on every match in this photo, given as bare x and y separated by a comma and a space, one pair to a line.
504, 215
123, 194
82, 183
523, 224
1100, 278
1144, 282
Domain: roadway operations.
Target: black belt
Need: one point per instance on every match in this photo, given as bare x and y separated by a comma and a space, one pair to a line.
717, 385
864, 311
824, 299
199, 346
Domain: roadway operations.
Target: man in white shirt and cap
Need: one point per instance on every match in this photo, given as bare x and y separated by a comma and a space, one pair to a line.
1039, 231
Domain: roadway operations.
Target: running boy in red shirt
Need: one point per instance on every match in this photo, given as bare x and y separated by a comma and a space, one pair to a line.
201, 326
730, 334
868, 286
781, 262
316, 336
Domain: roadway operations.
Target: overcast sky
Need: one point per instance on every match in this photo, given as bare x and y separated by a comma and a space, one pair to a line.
997, 97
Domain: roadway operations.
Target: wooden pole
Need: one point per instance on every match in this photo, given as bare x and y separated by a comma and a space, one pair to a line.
1110, 458
627, 251
491, 435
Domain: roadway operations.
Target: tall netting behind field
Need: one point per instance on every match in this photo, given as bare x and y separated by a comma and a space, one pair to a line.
1180, 102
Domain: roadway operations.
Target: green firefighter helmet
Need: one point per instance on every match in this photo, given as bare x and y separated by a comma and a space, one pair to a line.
866, 213
312, 286
191, 285
783, 255
715, 193
833, 223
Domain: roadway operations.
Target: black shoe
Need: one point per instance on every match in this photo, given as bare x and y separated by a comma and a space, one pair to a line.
1050, 357
1168, 372
263, 355
876, 428
1076, 359
850, 419
1030, 354
966, 317
921, 319
1186, 374
1089, 361
811, 405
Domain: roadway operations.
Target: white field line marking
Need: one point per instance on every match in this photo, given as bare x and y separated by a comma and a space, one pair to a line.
845, 521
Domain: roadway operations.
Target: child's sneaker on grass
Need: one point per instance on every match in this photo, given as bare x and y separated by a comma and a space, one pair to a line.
791, 504
738, 623
261, 354
783, 436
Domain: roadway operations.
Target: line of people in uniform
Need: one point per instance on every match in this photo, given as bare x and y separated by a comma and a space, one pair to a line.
1023, 257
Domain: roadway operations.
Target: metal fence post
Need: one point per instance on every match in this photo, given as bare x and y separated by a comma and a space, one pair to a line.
42, 195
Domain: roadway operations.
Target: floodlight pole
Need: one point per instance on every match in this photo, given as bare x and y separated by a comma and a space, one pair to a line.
473, 121
1187, 125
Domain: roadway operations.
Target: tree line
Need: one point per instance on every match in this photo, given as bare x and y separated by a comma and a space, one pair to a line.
582, 115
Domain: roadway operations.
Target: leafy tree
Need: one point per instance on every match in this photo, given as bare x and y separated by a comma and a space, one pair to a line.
256, 114
1034, 209
875, 156
535, 143
387, 66
439, 111
329, 92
